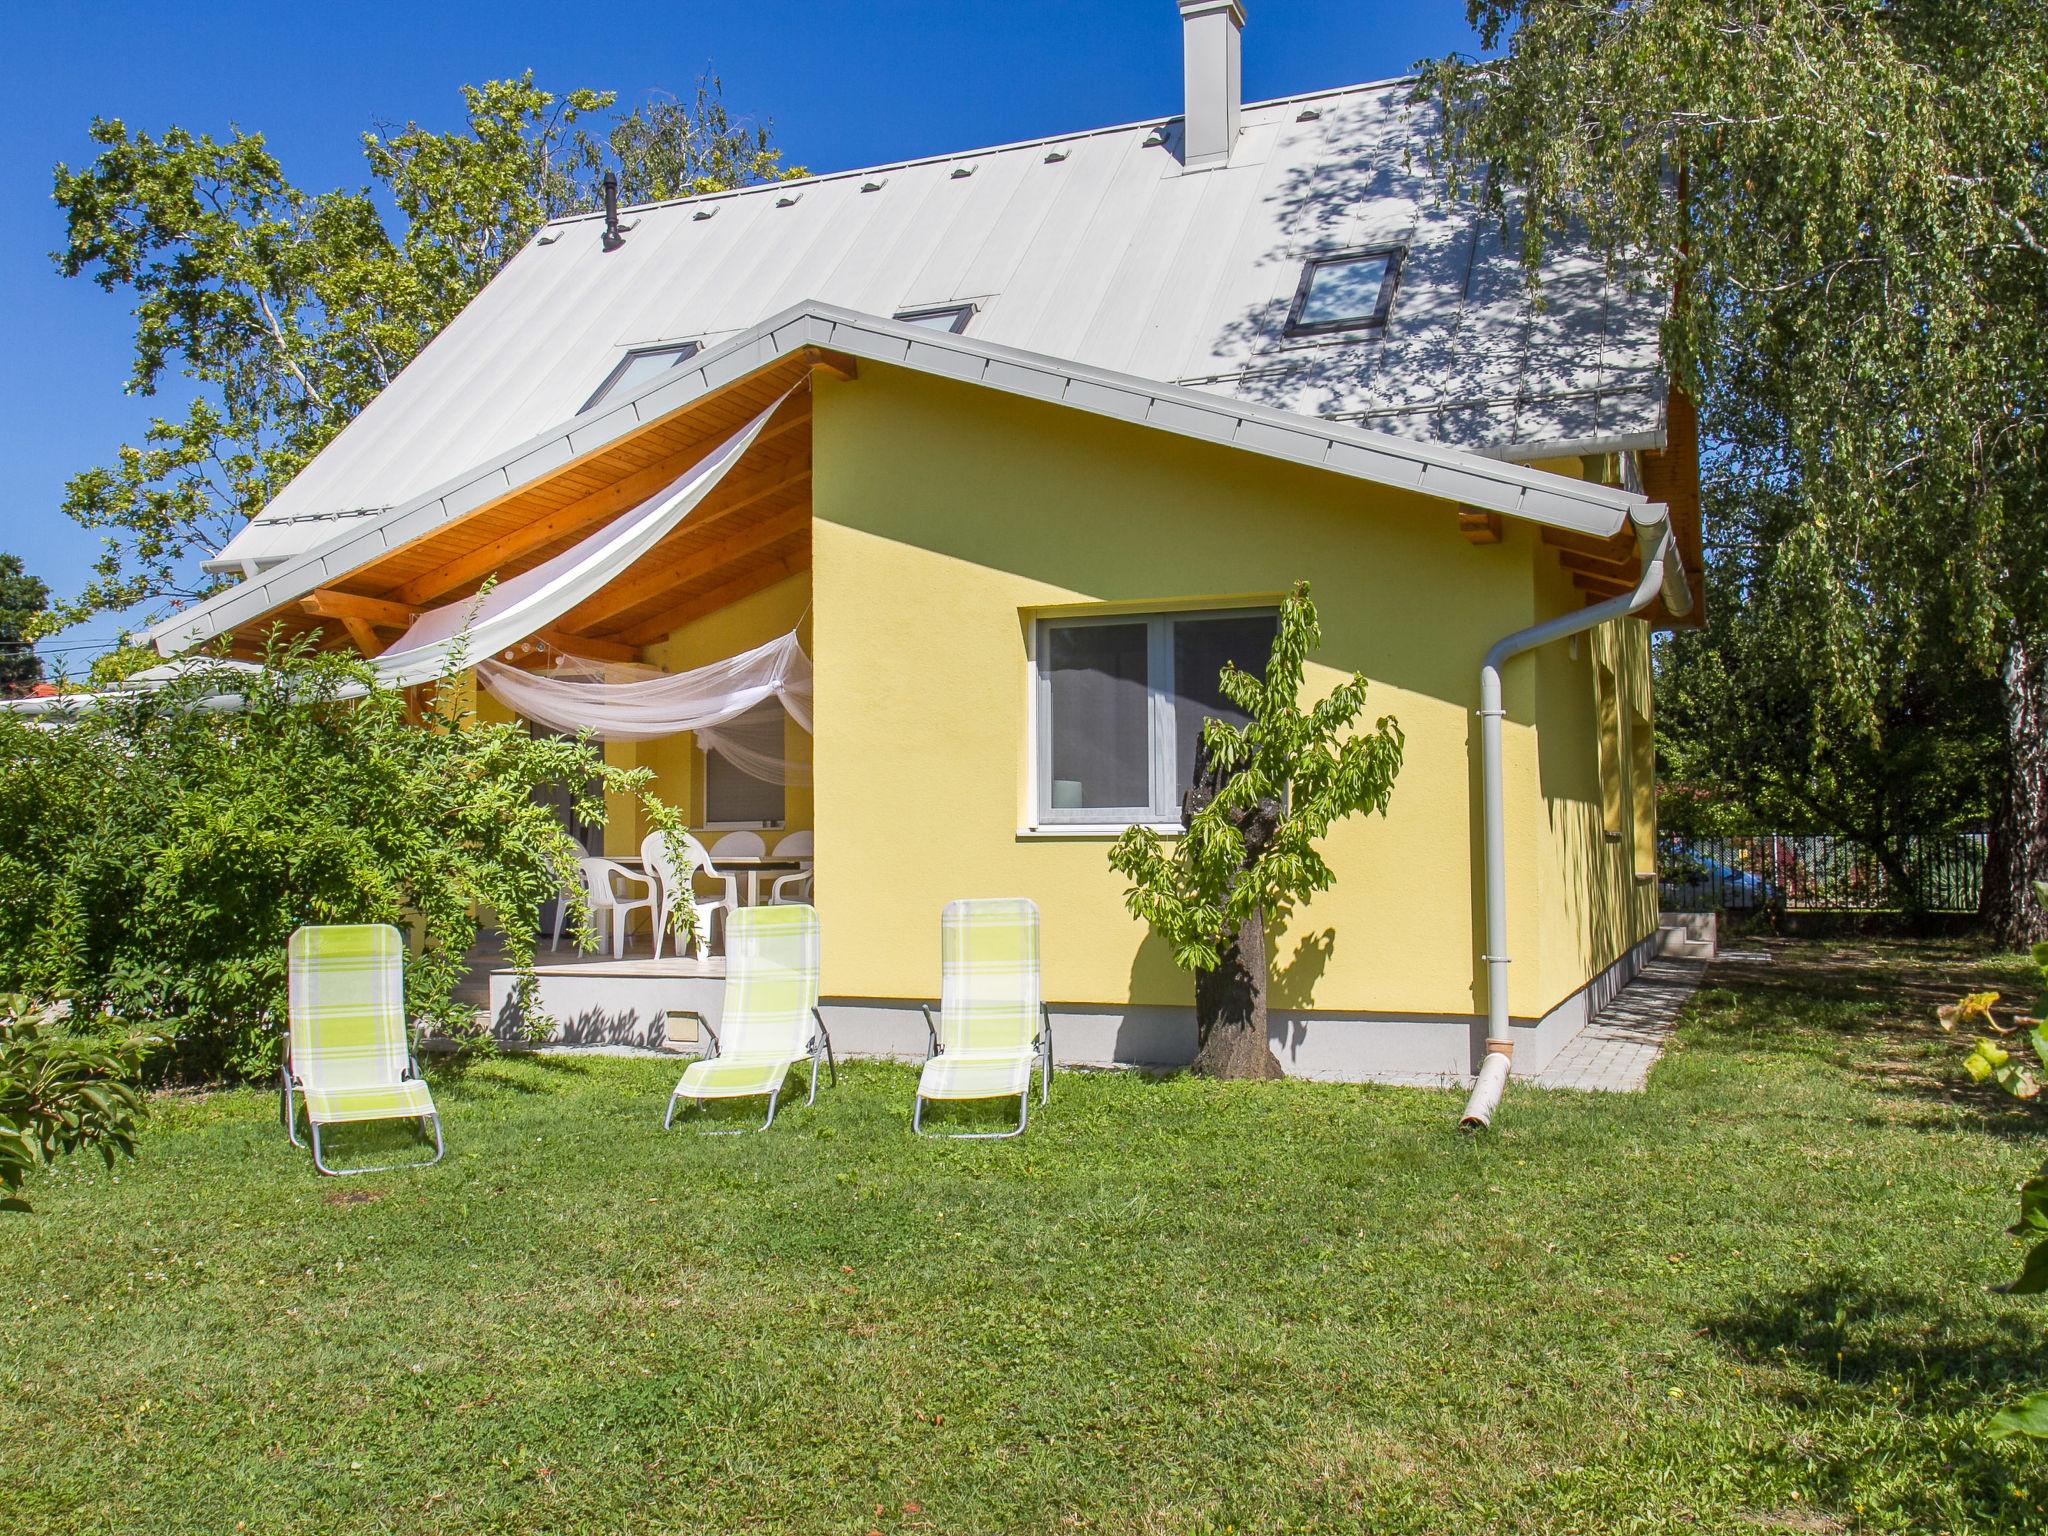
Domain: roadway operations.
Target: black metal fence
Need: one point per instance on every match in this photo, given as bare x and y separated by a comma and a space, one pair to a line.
1818, 874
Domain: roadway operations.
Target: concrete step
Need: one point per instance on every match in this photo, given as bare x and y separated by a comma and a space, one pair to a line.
1689, 935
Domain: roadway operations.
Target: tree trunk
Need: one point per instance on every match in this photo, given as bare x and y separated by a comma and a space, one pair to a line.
2018, 855
1230, 1009
1230, 1001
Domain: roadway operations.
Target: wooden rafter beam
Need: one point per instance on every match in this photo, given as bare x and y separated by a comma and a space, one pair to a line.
838, 364
1599, 565
330, 604
649, 581
1600, 586
597, 648
696, 607
564, 522
1622, 543
366, 638
1480, 526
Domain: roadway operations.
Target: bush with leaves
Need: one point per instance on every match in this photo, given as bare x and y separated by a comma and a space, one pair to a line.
2000, 1056
59, 1093
157, 852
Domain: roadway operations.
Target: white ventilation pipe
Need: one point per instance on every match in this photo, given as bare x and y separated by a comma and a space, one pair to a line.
1663, 575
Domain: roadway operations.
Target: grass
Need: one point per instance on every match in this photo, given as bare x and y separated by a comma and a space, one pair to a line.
1752, 1299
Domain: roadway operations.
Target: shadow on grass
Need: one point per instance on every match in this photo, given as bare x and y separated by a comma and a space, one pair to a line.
1857, 1335
456, 1072
1868, 1008
1852, 1351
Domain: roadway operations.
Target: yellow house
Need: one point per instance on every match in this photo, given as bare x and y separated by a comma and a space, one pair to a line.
1021, 445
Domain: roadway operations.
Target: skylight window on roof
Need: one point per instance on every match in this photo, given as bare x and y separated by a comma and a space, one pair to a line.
953, 317
637, 367
1352, 292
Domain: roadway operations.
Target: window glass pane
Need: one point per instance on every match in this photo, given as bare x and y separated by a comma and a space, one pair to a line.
641, 366
1345, 292
1100, 702
730, 795
1200, 648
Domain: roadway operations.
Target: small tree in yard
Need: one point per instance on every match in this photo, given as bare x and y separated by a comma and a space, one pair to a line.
1263, 794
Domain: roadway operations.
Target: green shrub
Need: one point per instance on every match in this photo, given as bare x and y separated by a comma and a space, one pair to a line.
58, 1093
1991, 1061
156, 853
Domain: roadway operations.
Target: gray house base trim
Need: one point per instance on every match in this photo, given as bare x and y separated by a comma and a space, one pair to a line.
631, 1008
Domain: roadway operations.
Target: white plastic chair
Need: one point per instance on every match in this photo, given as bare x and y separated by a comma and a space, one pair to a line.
675, 883
739, 845
600, 879
793, 888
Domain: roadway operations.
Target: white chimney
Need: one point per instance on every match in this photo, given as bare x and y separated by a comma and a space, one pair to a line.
1210, 46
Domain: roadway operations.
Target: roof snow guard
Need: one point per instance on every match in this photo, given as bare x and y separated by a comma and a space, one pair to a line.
1451, 474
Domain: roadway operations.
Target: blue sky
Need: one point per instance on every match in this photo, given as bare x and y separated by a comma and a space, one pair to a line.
845, 84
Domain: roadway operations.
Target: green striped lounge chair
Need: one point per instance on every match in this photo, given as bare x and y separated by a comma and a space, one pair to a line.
770, 1021
993, 1027
347, 1055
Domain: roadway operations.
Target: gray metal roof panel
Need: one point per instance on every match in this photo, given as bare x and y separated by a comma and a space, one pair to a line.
1110, 256
1431, 468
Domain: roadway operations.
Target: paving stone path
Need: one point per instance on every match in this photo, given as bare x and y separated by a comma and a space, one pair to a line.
1614, 1053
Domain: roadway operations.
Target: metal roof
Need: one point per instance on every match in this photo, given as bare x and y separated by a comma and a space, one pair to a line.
1453, 474
1094, 248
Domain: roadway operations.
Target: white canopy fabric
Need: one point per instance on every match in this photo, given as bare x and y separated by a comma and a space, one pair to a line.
465, 632
637, 704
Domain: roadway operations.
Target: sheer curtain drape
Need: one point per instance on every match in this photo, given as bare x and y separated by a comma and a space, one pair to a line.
630, 703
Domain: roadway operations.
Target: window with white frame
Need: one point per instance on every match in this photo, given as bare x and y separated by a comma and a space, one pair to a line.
638, 366
1121, 701
736, 799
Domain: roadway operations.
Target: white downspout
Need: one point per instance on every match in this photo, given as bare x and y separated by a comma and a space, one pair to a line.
1663, 575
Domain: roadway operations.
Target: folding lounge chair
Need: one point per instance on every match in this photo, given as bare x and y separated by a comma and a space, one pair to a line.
771, 1020
347, 1054
993, 1027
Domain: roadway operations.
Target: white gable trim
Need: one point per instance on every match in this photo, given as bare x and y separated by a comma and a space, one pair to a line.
1451, 474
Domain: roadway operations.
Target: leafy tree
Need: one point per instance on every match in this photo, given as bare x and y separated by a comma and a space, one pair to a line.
22, 599
287, 311
1847, 199
1263, 795
157, 852
58, 1094
1747, 743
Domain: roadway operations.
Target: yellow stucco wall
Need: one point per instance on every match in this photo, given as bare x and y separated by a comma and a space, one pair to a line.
948, 516
739, 627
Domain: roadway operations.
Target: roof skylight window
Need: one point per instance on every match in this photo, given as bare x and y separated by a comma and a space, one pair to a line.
953, 317
1352, 292
638, 366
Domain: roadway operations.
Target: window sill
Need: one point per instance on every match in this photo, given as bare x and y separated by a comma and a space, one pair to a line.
1087, 831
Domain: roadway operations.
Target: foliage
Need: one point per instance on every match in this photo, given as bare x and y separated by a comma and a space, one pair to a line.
1747, 742
58, 1094
157, 852
1846, 199
1733, 1303
288, 311
1991, 1061
1299, 761
22, 598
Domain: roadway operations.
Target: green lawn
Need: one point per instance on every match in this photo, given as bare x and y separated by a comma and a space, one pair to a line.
1752, 1299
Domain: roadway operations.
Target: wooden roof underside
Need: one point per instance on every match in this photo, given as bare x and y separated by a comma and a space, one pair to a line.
751, 531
